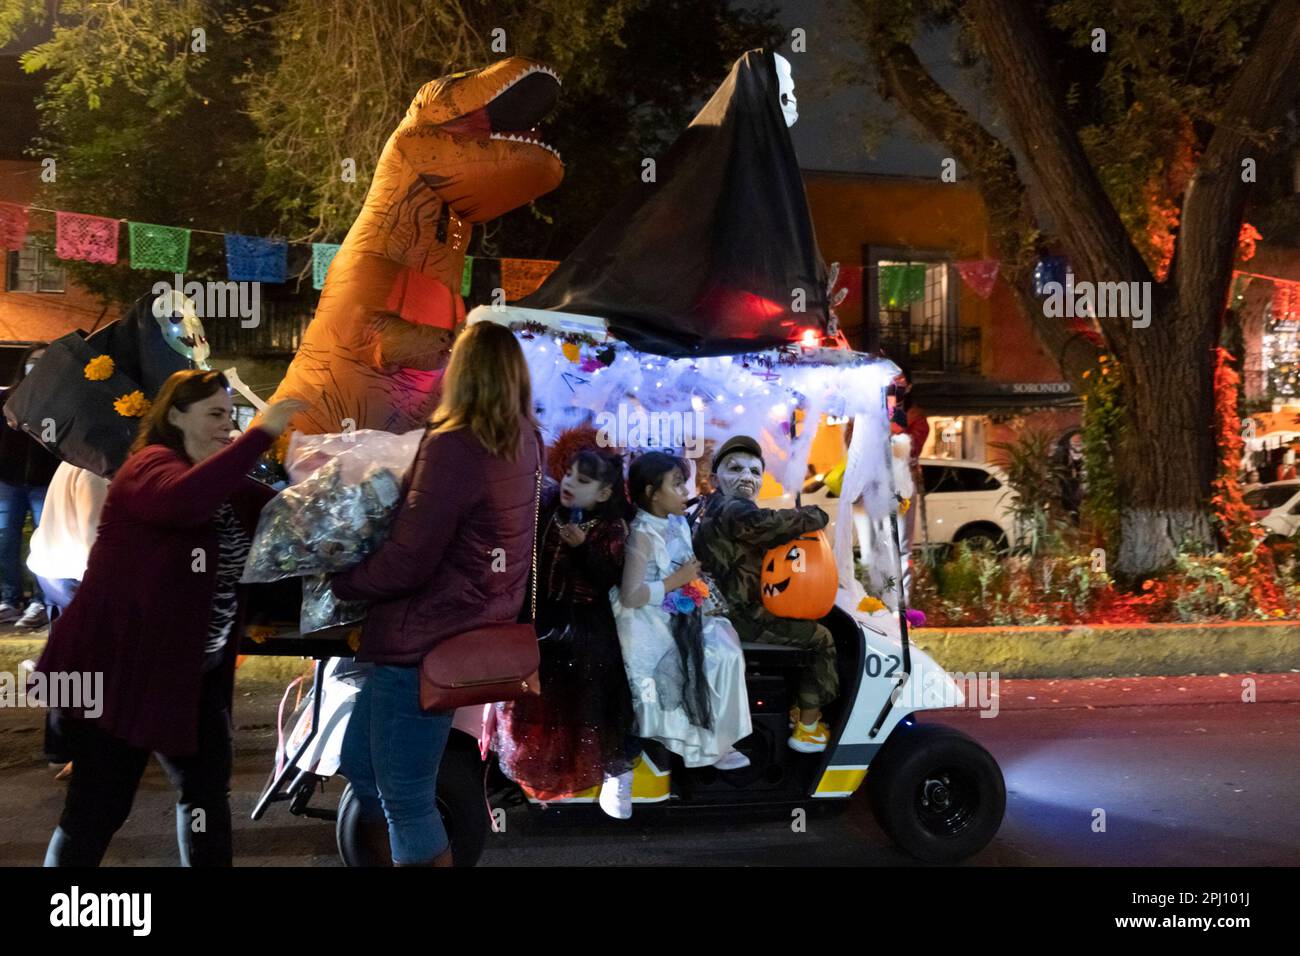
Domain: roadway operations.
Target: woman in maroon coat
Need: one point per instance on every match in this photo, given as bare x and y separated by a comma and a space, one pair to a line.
158, 616
456, 558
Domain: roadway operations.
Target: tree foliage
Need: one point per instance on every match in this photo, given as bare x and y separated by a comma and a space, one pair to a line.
143, 126
1122, 134
249, 134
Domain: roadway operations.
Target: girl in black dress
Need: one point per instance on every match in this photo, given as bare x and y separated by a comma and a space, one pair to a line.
579, 733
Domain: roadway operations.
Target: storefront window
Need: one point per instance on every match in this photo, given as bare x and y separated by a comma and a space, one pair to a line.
959, 438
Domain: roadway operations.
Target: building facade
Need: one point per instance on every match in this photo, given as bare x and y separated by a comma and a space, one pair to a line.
978, 370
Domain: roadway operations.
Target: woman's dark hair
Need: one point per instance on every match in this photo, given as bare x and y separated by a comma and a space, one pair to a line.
649, 469
606, 468
180, 391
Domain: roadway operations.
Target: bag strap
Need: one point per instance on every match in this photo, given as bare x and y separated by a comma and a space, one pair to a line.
537, 516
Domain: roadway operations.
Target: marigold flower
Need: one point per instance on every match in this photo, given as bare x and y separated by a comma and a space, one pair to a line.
132, 404
99, 368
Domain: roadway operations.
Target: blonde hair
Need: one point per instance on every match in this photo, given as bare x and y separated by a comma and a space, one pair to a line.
486, 389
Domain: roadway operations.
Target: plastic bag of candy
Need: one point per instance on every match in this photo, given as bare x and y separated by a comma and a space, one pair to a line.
321, 609
345, 491
344, 488
323, 524
355, 451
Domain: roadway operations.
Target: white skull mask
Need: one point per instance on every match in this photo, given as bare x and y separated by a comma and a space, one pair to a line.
740, 475
182, 329
785, 90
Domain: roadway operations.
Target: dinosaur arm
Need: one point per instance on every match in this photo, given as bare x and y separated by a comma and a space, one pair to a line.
402, 344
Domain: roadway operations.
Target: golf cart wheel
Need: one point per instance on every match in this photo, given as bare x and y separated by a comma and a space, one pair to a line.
460, 801
936, 793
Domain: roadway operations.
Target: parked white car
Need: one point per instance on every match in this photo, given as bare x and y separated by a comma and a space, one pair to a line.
1276, 507
964, 501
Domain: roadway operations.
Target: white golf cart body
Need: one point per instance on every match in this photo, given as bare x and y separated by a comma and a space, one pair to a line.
935, 792
894, 681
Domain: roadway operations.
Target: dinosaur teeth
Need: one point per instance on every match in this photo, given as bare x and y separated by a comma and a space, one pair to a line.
515, 138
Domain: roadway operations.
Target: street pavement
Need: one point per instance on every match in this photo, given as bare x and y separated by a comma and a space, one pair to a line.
1186, 772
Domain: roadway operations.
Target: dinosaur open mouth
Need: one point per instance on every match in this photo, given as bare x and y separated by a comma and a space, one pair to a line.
513, 112
526, 136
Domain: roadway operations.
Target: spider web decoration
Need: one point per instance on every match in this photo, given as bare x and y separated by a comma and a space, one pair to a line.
570, 379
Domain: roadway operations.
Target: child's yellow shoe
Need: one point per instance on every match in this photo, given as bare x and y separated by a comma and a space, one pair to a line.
809, 740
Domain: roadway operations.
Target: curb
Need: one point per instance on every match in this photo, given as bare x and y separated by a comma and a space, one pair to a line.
1116, 650
1050, 651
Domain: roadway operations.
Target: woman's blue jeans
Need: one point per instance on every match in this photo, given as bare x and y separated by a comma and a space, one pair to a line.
15, 502
391, 752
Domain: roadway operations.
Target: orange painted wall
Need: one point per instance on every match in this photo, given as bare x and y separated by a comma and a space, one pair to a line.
41, 316
924, 214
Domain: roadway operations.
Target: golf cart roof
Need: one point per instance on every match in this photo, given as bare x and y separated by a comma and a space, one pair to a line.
562, 323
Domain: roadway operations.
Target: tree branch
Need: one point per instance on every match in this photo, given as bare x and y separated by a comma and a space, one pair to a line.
1013, 229
1267, 84
1028, 89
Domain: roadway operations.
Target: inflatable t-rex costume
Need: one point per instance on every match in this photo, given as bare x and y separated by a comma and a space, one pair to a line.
465, 153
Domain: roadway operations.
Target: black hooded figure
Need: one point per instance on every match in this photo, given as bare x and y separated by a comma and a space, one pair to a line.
87, 430
716, 255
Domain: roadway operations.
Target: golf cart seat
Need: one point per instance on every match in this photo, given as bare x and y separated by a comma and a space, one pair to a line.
774, 657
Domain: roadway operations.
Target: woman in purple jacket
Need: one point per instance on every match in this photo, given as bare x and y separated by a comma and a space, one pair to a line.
157, 617
456, 558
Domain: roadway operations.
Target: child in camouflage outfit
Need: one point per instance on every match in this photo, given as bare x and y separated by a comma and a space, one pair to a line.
732, 535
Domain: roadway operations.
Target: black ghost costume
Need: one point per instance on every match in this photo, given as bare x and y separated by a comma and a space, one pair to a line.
717, 255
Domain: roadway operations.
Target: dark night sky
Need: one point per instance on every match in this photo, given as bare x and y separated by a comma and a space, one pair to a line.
830, 133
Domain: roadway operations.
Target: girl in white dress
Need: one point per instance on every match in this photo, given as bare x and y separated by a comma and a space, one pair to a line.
686, 671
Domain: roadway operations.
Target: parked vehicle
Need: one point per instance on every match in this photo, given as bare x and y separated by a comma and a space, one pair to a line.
964, 501
1276, 507
967, 501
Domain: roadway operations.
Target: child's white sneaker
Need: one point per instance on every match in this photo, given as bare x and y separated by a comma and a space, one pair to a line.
732, 760
616, 796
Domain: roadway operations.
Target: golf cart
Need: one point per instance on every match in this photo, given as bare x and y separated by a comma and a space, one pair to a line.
934, 791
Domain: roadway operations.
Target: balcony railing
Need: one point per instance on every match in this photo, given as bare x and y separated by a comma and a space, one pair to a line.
930, 348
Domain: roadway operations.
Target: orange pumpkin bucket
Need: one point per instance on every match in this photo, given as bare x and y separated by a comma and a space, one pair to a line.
799, 579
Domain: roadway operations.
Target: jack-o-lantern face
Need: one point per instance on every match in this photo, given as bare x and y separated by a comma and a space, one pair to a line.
799, 579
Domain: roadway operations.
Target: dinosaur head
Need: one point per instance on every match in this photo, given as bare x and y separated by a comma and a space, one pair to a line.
472, 138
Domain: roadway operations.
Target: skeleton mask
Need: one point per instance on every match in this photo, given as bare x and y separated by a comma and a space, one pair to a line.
785, 90
740, 475
182, 329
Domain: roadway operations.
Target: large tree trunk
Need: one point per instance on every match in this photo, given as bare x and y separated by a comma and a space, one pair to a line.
1167, 466
1169, 460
